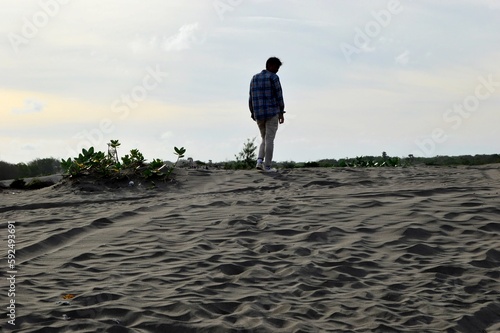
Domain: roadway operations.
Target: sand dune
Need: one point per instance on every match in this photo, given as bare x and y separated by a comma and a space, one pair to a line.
302, 250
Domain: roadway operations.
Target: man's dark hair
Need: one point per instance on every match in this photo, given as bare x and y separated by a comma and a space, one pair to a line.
273, 61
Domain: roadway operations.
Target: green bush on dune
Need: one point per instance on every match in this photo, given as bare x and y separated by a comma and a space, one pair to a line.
109, 166
246, 158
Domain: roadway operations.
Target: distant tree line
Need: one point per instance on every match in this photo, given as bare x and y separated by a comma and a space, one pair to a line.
246, 160
386, 161
35, 168
458, 160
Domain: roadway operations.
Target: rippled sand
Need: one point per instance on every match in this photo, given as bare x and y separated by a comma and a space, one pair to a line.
305, 250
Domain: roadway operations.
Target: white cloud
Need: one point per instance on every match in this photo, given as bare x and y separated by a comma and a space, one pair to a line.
167, 135
30, 106
188, 35
403, 58
29, 147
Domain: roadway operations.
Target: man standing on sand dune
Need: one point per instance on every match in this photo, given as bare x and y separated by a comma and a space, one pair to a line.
267, 108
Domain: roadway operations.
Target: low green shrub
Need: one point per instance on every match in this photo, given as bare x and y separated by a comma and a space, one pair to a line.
108, 166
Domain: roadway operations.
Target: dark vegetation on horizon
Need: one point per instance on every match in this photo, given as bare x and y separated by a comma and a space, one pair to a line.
51, 166
377, 161
245, 159
35, 168
387, 161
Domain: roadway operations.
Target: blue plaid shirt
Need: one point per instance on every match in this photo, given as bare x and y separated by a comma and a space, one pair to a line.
266, 96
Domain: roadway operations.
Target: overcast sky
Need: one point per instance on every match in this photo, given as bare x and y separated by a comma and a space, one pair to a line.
359, 77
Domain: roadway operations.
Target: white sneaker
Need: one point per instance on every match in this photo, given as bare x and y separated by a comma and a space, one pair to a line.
269, 169
259, 166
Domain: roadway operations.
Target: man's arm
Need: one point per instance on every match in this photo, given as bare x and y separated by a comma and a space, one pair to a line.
279, 93
250, 104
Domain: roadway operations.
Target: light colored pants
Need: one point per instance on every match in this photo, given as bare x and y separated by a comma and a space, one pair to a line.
268, 129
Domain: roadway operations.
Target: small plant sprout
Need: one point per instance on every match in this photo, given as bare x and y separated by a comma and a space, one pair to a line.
112, 150
180, 154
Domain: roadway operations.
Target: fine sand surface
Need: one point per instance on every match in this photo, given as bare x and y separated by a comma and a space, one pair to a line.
301, 250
